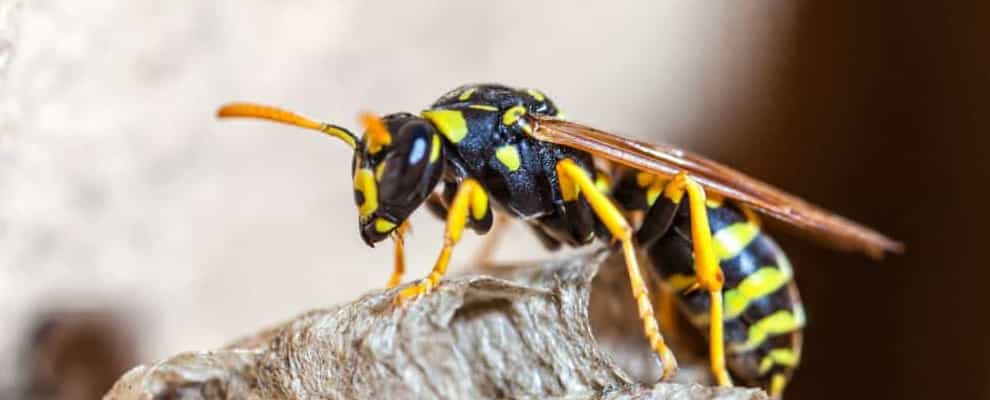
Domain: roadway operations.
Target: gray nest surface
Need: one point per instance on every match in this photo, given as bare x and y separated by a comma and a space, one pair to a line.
501, 332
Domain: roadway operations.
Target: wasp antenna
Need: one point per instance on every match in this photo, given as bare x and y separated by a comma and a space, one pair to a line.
260, 111
377, 134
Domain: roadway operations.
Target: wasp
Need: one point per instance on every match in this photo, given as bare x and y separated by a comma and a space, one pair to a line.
507, 150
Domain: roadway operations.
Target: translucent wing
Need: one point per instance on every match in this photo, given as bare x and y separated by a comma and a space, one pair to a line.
717, 178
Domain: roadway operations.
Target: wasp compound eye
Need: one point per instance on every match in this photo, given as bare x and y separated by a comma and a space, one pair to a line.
406, 169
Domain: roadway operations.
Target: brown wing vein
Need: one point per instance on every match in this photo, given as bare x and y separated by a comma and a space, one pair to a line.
717, 178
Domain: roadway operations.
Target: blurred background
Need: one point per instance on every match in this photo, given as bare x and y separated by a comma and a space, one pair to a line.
133, 225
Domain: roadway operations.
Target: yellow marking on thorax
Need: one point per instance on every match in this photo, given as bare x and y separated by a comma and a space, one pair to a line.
762, 282
466, 94
483, 107
450, 122
514, 115
508, 155
536, 94
384, 226
778, 323
783, 356
364, 182
730, 241
435, 149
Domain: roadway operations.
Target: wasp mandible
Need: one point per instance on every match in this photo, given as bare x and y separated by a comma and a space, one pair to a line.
507, 148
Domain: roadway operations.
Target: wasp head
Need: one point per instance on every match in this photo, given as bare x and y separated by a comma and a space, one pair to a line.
396, 167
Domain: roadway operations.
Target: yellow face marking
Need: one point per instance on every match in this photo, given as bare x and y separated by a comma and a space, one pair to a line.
483, 107
450, 122
479, 204
508, 155
364, 182
514, 115
384, 226
536, 94
778, 323
730, 241
435, 149
763, 282
466, 94
783, 356
379, 170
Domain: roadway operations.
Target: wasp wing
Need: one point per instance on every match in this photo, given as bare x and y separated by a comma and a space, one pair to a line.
717, 178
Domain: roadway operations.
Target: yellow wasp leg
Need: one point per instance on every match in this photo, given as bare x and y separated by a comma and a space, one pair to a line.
400, 255
707, 271
574, 181
468, 193
484, 255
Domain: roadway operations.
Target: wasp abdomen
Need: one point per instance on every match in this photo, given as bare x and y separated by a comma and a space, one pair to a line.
763, 315
762, 311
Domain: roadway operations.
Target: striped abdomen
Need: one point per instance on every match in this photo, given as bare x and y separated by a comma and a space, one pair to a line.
763, 313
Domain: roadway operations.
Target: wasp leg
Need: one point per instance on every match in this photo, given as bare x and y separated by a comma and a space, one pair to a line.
438, 208
574, 181
483, 256
399, 266
470, 198
708, 273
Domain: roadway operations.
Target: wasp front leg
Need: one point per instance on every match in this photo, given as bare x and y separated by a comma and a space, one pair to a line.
575, 181
469, 199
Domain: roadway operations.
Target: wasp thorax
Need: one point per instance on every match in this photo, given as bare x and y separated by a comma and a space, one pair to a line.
396, 166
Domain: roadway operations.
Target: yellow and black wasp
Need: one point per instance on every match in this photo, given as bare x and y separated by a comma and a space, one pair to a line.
507, 148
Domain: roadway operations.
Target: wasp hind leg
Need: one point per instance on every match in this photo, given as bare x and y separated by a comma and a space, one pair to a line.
575, 181
708, 273
470, 198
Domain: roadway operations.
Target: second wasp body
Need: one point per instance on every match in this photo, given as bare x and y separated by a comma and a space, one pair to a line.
500, 149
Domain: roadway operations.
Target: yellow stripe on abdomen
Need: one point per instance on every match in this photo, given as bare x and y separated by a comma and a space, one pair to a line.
783, 356
778, 323
732, 240
760, 283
